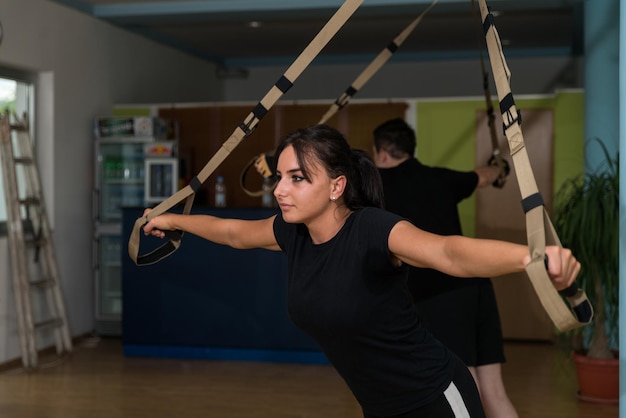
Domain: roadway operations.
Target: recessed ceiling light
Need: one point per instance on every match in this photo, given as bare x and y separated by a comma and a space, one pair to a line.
254, 24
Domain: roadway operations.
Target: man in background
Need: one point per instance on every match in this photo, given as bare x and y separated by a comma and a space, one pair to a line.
462, 314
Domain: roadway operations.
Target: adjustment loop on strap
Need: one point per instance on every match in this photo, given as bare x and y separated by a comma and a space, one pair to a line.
284, 84
344, 99
351, 91
392, 47
506, 104
488, 22
581, 306
157, 255
195, 184
583, 311
259, 111
532, 201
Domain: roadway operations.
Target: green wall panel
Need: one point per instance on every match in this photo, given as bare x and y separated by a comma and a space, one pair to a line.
446, 137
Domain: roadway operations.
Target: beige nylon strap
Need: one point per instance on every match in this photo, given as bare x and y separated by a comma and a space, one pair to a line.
491, 120
262, 166
243, 130
373, 67
344, 98
540, 230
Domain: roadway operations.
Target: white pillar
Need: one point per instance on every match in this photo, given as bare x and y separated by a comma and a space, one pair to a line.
602, 28
622, 209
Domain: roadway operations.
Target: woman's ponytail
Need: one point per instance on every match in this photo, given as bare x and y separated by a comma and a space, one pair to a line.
368, 184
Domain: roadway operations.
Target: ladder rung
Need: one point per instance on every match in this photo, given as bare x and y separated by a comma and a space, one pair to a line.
43, 283
53, 322
29, 201
32, 233
23, 160
35, 242
19, 128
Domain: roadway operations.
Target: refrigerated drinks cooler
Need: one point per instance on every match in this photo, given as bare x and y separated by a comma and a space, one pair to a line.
124, 149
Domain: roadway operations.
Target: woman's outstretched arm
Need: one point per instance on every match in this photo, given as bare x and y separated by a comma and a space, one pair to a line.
469, 257
236, 233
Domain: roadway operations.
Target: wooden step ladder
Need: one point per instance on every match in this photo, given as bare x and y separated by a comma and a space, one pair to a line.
36, 285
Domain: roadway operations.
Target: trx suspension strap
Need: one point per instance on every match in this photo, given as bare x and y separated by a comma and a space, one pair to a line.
263, 166
242, 131
262, 162
539, 228
373, 67
496, 156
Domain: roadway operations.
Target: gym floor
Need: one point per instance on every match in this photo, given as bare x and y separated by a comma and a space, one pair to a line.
98, 381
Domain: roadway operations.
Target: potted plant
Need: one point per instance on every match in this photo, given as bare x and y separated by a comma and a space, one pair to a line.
585, 216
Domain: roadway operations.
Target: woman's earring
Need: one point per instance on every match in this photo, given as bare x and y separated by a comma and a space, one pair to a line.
333, 198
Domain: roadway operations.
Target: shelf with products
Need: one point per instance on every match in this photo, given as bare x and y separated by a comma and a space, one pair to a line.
121, 146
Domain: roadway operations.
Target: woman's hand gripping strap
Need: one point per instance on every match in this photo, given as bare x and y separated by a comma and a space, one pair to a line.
539, 228
173, 237
243, 130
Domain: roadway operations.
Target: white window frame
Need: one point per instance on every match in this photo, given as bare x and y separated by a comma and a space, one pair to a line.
24, 102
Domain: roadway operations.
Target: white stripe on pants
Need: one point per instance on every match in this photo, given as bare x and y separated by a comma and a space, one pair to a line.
455, 400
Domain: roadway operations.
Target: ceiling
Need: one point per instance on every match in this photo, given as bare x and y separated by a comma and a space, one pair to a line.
246, 33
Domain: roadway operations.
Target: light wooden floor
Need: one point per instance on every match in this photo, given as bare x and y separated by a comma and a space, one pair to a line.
97, 381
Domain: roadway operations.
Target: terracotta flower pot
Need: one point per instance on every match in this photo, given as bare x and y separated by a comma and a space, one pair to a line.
598, 379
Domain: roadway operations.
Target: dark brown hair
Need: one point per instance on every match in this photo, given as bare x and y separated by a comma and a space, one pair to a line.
329, 147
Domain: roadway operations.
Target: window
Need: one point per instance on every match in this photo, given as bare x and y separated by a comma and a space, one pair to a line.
7, 103
16, 95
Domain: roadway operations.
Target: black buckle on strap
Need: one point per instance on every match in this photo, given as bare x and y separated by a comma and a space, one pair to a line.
345, 97
508, 119
245, 127
258, 112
